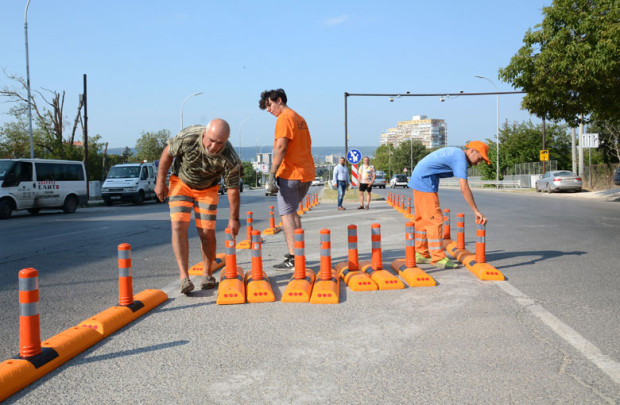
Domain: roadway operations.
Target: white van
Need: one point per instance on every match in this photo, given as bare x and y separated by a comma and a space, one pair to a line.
36, 184
130, 182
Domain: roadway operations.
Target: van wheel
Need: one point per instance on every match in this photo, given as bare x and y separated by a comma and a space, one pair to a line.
34, 211
107, 202
6, 208
140, 199
70, 204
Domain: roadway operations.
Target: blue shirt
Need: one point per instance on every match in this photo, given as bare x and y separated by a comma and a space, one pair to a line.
444, 162
341, 173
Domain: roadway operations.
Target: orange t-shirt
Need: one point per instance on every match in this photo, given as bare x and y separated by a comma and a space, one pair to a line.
298, 163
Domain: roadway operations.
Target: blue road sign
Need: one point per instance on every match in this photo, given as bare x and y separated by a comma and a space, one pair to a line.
354, 156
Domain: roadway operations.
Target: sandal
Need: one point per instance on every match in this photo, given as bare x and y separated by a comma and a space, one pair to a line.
208, 282
361, 207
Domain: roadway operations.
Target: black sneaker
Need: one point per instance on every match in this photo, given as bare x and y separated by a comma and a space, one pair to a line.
287, 264
289, 256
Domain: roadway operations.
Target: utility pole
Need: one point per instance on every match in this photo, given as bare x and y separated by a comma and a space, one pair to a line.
86, 137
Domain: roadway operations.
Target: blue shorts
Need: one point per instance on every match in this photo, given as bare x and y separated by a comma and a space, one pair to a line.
290, 195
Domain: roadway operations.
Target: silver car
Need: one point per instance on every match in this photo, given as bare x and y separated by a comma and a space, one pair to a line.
379, 179
558, 180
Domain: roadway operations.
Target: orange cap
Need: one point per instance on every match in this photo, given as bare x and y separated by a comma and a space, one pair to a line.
480, 147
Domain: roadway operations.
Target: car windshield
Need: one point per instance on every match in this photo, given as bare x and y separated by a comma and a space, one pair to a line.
5, 167
123, 172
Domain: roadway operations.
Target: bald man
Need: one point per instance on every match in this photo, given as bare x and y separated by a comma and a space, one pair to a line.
201, 156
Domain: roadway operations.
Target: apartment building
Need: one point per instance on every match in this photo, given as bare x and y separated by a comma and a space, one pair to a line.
430, 131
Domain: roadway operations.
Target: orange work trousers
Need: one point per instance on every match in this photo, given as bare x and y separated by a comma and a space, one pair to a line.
428, 221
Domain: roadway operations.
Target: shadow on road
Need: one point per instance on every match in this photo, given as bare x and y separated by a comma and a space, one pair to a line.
531, 256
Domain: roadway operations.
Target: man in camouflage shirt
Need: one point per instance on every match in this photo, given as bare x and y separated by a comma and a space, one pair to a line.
202, 155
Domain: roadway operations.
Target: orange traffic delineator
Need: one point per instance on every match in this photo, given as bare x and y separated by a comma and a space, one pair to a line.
447, 239
300, 210
477, 263
407, 212
257, 284
349, 271
125, 280
299, 289
457, 249
406, 268
384, 279
273, 229
326, 288
402, 204
218, 263
232, 288
247, 242
29, 325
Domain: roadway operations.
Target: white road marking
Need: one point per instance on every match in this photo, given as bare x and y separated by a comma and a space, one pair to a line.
69, 233
584, 346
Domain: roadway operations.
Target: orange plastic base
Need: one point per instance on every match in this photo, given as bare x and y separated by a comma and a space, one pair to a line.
384, 279
231, 290
299, 290
356, 280
301, 212
258, 290
326, 291
272, 231
414, 276
244, 244
218, 263
457, 254
484, 271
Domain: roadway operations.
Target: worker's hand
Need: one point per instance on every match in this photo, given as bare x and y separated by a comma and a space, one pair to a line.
161, 190
234, 225
480, 219
272, 187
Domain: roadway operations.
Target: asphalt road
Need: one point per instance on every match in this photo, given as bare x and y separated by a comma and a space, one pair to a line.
547, 335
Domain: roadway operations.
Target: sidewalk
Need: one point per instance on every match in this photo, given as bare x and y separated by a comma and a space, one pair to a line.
417, 345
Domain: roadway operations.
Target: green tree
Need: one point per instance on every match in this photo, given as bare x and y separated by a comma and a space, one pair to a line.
249, 174
569, 63
150, 145
393, 160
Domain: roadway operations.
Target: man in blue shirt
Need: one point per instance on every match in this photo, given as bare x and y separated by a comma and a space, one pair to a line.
428, 218
341, 178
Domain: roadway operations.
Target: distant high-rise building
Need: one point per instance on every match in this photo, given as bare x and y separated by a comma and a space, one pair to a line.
333, 159
431, 132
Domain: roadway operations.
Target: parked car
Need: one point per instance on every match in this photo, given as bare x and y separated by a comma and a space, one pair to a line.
558, 180
130, 182
223, 186
379, 179
267, 193
318, 182
617, 177
399, 180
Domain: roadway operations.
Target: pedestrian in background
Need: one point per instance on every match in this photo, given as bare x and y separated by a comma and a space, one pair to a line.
201, 155
428, 217
341, 179
292, 170
366, 174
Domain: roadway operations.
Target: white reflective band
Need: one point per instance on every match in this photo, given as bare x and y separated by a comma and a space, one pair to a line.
375, 231
325, 252
409, 242
124, 272
480, 239
299, 237
352, 245
230, 251
256, 253
352, 232
29, 309
299, 251
376, 245
460, 229
256, 246
324, 238
29, 284
124, 254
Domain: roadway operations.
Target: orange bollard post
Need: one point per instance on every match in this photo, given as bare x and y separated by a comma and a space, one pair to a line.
249, 227
231, 289
326, 286
125, 279
299, 289
401, 208
447, 239
407, 269
349, 271
257, 284
300, 210
477, 263
408, 213
481, 234
384, 279
29, 324
273, 229
457, 249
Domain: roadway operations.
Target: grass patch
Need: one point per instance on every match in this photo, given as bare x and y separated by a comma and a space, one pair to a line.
349, 196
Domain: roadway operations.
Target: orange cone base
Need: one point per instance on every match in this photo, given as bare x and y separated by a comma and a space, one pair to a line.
280, 224
484, 271
447, 242
218, 263
414, 276
356, 280
258, 290
457, 254
244, 244
384, 279
299, 290
272, 231
301, 212
326, 291
231, 290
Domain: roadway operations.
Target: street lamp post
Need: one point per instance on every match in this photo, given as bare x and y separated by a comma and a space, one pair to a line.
28, 81
240, 125
496, 129
188, 97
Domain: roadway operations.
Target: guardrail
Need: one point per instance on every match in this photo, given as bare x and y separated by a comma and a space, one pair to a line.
482, 183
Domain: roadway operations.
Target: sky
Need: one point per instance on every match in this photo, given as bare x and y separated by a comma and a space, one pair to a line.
144, 58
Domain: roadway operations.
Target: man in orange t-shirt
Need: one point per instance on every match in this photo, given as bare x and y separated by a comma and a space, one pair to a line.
292, 168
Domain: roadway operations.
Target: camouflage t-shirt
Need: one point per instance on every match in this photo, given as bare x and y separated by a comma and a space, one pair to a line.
194, 166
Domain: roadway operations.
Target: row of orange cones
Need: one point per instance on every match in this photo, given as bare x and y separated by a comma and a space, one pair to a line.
476, 263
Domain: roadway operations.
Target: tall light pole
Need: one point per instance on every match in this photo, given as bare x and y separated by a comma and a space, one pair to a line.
240, 125
496, 128
28, 81
188, 97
